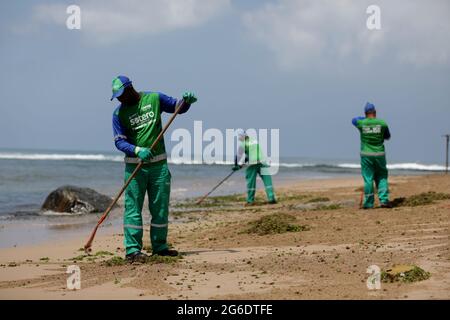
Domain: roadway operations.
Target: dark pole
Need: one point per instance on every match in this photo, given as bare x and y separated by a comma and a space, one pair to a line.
447, 136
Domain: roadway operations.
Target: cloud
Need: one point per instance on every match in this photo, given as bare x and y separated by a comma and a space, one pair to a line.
109, 21
301, 33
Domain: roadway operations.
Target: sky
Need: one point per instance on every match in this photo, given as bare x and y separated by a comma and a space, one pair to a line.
303, 67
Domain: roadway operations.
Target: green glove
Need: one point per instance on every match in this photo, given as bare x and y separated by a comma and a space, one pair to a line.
189, 97
144, 154
236, 168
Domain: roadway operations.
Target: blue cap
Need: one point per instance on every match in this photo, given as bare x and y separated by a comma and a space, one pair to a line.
118, 86
370, 107
240, 133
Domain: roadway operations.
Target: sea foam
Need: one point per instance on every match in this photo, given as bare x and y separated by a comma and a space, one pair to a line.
411, 166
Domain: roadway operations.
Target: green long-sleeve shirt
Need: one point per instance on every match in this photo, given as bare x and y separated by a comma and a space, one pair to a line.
373, 132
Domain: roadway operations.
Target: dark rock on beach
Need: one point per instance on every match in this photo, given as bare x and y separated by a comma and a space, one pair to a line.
72, 199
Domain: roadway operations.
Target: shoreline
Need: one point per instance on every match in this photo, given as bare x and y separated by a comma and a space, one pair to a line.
41, 228
327, 262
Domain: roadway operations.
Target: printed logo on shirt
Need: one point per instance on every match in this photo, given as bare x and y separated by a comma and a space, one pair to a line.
146, 107
139, 121
371, 129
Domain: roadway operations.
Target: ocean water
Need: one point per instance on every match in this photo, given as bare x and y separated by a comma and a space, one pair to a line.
27, 177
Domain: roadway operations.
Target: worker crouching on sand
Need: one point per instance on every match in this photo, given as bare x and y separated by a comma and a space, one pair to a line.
373, 132
136, 125
256, 162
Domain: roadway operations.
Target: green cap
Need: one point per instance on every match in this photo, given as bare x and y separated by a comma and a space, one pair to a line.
118, 86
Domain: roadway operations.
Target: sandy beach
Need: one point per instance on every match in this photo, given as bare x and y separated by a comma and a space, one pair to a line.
327, 259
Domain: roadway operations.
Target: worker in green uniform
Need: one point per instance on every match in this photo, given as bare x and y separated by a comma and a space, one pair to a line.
136, 125
256, 164
373, 132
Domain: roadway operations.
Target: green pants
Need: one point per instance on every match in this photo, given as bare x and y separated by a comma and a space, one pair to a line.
153, 179
374, 169
250, 175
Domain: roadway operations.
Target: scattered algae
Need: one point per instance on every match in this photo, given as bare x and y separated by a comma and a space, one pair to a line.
154, 259
98, 254
103, 253
164, 259
115, 261
318, 199
216, 201
293, 196
333, 206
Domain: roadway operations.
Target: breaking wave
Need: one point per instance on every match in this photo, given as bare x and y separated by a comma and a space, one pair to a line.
292, 165
401, 166
58, 156
394, 166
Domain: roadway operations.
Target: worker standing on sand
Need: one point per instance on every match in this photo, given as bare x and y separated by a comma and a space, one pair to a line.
256, 162
373, 157
136, 124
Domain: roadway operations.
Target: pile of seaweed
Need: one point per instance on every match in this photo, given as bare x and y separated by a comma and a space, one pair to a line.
420, 199
275, 223
404, 273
